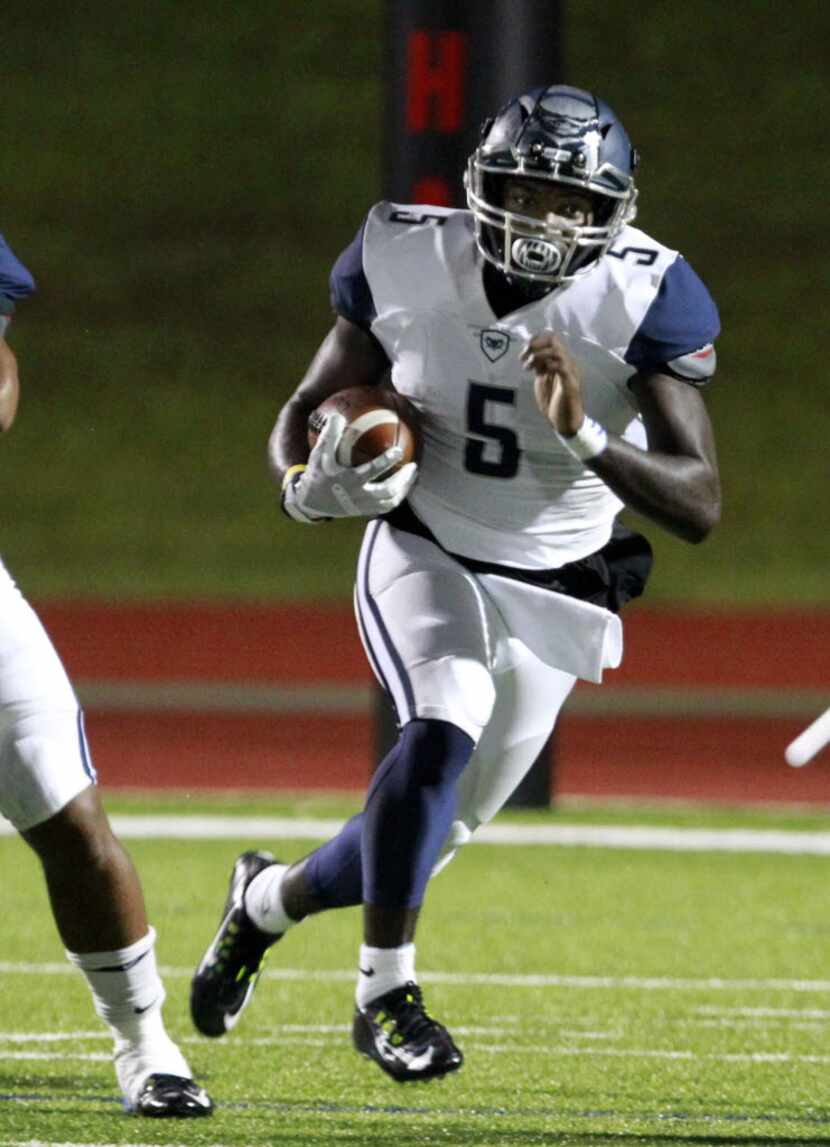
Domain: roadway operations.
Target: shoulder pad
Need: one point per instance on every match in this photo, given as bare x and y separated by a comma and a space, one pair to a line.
16, 281
696, 367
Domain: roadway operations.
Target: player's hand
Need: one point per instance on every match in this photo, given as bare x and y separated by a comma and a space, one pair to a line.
556, 385
325, 489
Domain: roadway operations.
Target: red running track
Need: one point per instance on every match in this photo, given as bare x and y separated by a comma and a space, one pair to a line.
729, 759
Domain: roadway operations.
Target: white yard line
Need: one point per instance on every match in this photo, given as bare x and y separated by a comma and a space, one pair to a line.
771, 1013
85, 1056
652, 1053
498, 979
51, 1037
628, 837
53, 1143
758, 1025
765, 1057
568, 1033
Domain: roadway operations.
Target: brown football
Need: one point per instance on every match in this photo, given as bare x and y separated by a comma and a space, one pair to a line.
376, 418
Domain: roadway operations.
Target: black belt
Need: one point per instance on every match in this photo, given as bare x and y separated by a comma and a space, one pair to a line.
609, 577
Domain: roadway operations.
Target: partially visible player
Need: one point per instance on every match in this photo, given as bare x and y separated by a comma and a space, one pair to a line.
556, 355
809, 743
48, 792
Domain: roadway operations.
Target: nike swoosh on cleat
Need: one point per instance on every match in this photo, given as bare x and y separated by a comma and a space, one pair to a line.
366, 971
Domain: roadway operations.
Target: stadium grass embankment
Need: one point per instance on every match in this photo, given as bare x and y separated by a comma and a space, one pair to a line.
182, 245
203, 696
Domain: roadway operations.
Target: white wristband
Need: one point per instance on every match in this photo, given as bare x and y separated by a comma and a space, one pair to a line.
588, 442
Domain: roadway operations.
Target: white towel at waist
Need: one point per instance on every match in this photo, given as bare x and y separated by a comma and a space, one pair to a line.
562, 631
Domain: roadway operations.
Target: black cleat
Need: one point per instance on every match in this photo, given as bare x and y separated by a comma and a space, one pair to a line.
225, 979
395, 1031
172, 1097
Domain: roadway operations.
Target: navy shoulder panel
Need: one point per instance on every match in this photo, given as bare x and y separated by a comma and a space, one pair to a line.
682, 319
15, 281
351, 295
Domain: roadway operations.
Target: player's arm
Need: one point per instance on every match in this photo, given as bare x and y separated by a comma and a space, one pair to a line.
348, 356
675, 482
315, 486
16, 283
9, 386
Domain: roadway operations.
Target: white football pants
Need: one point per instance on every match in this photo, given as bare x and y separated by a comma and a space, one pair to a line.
44, 758
440, 647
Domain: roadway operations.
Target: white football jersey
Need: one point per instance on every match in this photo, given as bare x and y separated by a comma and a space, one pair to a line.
495, 482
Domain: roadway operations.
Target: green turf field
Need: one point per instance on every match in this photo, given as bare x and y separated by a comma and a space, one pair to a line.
601, 996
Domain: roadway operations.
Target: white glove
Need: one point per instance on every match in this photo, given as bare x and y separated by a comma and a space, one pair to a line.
325, 489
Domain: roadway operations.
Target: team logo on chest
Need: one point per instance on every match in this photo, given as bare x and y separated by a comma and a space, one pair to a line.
495, 344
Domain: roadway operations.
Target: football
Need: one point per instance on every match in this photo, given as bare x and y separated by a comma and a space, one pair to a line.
377, 417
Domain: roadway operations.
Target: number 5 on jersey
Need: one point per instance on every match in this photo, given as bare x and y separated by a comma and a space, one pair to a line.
498, 456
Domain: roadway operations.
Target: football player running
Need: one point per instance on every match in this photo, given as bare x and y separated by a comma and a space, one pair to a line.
48, 792
555, 354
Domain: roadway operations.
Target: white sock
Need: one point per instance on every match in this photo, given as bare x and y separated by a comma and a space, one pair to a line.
128, 993
126, 986
263, 900
381, 969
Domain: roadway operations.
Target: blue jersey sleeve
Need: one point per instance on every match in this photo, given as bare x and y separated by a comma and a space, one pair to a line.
15, 280
351, 295
681, 321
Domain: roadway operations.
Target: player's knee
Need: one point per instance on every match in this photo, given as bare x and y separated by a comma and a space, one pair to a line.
78, 834
44, 766
457, 837
475, 694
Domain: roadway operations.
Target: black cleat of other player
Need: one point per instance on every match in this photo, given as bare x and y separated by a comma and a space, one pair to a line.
172, 1097
395, 1031
227, 975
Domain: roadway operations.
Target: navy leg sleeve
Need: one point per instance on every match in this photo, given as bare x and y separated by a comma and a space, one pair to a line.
409, 809
333, 871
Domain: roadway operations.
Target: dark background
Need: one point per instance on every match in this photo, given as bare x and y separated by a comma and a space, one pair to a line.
179, 177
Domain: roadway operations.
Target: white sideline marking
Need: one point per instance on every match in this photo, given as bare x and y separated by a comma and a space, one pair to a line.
660, 839
498, 979
637, 837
